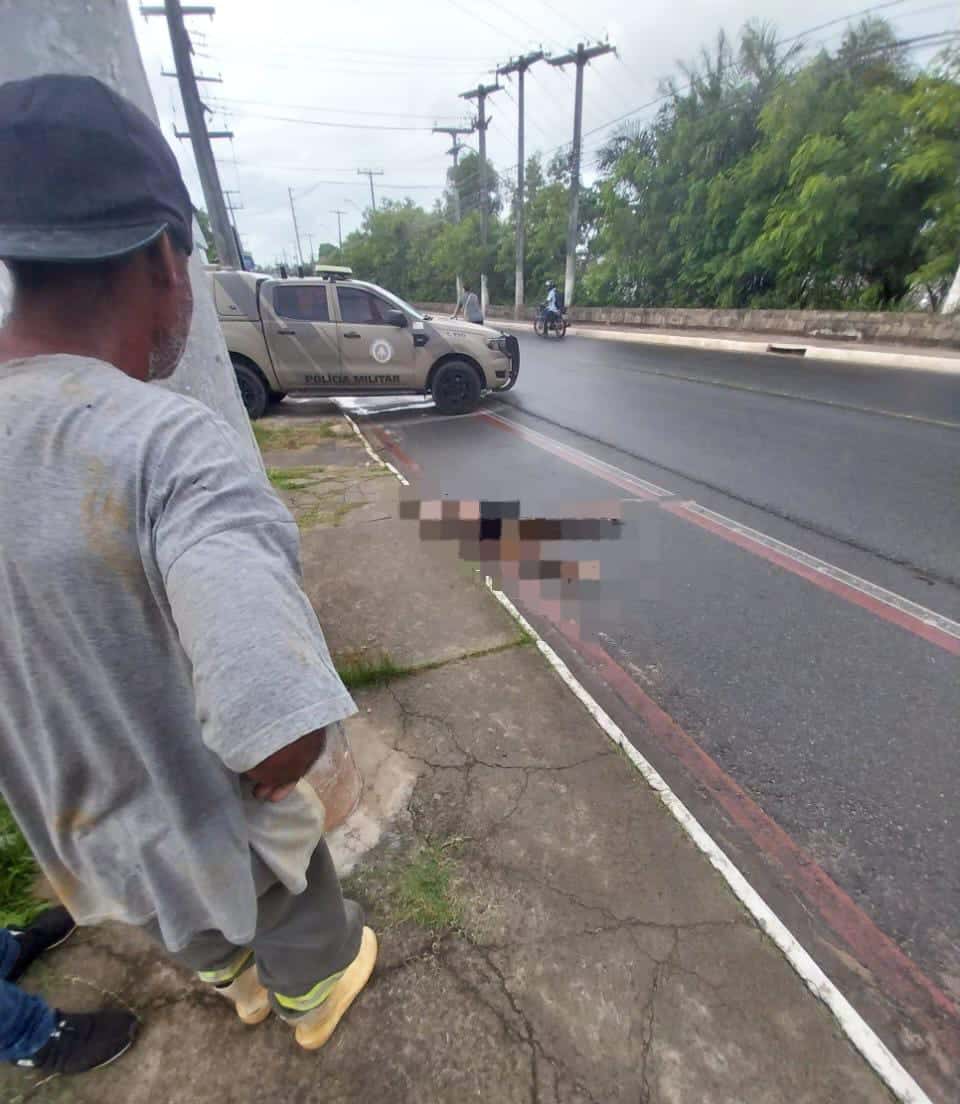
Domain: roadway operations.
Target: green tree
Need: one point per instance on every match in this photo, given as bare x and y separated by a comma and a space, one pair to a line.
930, 157
213, 257
466, 178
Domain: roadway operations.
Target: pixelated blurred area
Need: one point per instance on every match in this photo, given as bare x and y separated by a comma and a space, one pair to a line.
509, 547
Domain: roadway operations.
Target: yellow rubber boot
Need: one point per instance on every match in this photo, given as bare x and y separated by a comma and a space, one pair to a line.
247, 995
316, 1026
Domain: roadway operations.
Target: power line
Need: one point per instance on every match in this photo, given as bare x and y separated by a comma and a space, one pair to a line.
336, 50
902, 43
332, 110
934, 38
499, 31
326, 123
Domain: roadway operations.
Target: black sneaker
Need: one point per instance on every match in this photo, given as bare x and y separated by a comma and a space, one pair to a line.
84, 1041
50, 929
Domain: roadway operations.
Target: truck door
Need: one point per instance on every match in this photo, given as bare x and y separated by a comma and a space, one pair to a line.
301, 335
375, 354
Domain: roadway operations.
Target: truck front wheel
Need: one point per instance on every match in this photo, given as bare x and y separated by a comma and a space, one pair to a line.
456, 388
253, 391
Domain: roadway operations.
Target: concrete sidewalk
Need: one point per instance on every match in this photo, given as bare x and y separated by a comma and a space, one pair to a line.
548, 932
787, 346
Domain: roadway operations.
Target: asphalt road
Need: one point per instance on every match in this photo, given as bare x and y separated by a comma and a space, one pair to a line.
841, 726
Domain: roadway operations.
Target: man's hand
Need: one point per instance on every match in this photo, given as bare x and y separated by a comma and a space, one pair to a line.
275, 778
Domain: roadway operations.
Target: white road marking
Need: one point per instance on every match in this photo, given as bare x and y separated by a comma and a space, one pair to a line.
821, 567
871, 590
582, 458
857, 1030
373, 456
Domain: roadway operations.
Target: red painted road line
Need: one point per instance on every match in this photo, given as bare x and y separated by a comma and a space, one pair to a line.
893, 609
896, 974
638, 488
887, 612
395, 450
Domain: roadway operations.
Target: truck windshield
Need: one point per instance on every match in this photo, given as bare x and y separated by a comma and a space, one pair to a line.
401, 304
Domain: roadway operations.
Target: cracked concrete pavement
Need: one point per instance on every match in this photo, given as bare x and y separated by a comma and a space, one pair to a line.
598, 957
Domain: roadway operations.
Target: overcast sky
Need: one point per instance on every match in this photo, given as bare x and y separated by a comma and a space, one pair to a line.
385, 71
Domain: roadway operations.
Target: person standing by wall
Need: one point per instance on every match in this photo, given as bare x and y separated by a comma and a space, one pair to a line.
470, 305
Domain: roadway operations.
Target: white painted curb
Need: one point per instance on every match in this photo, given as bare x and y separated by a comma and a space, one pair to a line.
876, 358
857, 1030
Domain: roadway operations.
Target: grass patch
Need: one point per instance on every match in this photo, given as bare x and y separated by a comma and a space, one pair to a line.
325, 514
357, 670
418, 889
283, 437
295, 479
18, 871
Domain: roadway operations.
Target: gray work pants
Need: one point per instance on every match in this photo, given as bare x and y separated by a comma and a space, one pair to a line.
301, 940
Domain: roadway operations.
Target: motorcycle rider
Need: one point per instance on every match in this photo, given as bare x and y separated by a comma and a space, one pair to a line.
552, 311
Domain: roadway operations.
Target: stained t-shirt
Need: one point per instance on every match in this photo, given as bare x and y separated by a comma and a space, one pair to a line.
156, 643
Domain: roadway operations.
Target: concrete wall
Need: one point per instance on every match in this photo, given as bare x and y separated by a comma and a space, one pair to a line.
852, 326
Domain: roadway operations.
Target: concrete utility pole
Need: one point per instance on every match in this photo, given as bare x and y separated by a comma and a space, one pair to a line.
199, 136
97, 40
952, 302
519, 66
454, 151
296, 229
480, 94
232, 208
311, 254
370, 174
339, 215
578, 57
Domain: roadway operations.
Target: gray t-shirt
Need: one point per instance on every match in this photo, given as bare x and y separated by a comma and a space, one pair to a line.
471, 307
155, 643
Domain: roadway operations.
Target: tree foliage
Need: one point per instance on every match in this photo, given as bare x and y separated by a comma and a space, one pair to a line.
764, 180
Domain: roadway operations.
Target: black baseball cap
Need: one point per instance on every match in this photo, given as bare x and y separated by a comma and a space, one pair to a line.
85, 175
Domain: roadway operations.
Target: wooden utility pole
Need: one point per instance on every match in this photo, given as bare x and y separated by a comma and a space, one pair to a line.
519, 66
197, 126
339, 215
578, 57
370, 174
296, 229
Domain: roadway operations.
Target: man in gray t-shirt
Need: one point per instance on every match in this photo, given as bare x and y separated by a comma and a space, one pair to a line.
470, 305
164, 683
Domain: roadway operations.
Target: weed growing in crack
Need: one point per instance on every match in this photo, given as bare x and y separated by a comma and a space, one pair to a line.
418, 888
358, 670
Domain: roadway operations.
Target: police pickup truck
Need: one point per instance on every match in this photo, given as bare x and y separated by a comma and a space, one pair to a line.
333, 335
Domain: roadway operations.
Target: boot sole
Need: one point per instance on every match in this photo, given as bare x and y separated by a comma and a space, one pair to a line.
313, 1036
251, 1019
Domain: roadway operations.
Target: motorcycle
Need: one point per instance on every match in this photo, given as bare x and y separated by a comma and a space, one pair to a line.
548, 321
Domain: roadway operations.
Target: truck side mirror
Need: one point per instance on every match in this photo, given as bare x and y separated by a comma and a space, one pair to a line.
397, 318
